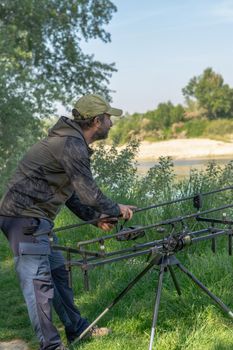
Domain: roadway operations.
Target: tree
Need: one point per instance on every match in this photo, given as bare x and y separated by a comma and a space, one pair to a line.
164, 116
212, 95
42, 62
40, 45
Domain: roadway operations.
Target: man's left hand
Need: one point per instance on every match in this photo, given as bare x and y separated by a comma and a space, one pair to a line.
107, 224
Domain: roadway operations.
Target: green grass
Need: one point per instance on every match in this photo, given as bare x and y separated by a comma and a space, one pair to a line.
190, 322
220, 129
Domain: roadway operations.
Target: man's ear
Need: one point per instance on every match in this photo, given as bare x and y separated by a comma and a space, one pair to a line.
97, 121
75, 112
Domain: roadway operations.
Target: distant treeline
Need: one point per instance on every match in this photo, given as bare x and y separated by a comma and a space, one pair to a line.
208, 112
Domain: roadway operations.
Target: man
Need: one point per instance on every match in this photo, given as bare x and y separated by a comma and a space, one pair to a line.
56, 171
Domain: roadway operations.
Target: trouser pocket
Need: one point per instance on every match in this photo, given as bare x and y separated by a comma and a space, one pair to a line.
37, 248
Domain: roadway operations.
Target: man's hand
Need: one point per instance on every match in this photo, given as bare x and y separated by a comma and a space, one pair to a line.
126, 211
107, 224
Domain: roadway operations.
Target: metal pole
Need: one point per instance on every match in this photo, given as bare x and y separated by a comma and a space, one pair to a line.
206, 290
157, 302
176, 284
230, 241
115, 301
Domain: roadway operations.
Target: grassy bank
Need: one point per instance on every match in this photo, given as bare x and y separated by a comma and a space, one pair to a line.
189, 322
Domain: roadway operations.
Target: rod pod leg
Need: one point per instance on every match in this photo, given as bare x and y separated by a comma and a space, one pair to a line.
174, 279
156, 306
218, 301
115, 301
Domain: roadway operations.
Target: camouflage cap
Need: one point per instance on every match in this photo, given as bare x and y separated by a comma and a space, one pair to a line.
89, 106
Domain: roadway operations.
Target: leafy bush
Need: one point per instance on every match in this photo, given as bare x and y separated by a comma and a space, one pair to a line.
158, 181
195, 127
116, 170
161, 185
126, 129
153, 125
220, 127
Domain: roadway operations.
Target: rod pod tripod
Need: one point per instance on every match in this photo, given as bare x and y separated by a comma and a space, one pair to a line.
165, 263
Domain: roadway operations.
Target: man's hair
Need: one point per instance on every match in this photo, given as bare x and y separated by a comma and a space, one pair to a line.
85, 124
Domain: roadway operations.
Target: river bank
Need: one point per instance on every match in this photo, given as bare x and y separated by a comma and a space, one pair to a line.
185, 149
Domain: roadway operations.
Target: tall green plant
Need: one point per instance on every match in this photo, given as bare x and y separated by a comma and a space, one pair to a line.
116, 169
157, 183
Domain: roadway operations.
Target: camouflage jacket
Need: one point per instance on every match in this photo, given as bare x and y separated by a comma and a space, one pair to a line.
56, 171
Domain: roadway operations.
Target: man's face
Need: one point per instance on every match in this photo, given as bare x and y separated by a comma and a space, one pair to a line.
104, 126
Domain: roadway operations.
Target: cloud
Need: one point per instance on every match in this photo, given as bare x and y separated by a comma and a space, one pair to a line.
135, 18
129, 15
223, 11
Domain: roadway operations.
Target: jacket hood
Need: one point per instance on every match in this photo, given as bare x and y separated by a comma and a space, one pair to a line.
66, 127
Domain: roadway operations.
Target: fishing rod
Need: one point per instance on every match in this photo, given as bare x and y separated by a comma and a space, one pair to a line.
94, 258
158, 224
197, 203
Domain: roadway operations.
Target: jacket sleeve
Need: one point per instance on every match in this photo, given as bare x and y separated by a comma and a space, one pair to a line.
83, 211
76, 163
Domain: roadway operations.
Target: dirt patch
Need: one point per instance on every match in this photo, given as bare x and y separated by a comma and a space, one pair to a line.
185, 149
14, 345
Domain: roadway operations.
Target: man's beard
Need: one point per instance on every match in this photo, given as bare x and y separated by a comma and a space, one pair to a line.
101, 134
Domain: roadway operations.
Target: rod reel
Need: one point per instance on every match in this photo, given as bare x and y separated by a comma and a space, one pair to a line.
176, 243
130, 234
198, 201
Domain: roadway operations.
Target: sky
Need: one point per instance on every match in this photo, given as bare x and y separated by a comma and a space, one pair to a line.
158, 46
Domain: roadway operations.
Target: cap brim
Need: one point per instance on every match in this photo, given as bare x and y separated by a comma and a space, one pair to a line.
115, 111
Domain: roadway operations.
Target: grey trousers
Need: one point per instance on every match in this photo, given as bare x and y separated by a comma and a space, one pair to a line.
43, 280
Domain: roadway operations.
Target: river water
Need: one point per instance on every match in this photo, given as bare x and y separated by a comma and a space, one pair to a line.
182, 166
